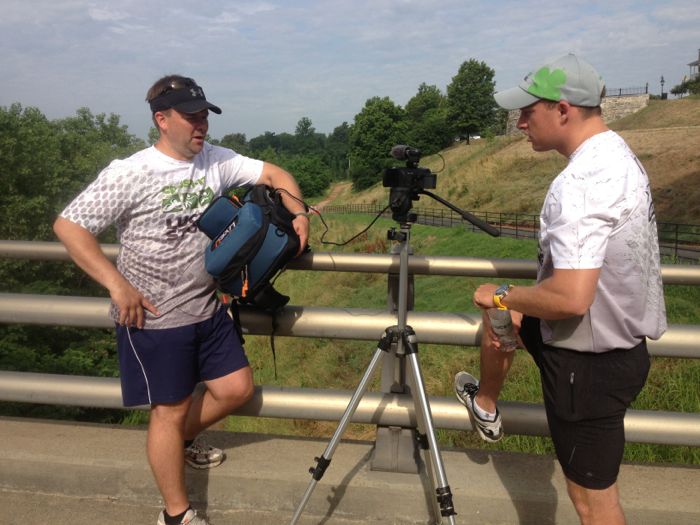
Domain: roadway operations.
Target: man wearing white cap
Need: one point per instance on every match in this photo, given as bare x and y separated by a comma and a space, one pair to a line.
598, 294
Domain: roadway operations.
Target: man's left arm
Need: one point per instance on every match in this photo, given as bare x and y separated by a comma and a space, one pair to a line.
567, 293
278, 178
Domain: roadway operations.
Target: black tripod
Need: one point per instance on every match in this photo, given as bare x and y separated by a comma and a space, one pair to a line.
404, 337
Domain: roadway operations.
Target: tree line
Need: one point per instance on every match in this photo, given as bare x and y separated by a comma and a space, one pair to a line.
430, 121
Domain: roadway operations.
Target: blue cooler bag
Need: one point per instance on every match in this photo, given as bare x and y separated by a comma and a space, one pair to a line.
250, 242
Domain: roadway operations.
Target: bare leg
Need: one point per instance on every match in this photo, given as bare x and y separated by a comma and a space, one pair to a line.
222, 396
493, 369
596, 507
166, 453
171, 424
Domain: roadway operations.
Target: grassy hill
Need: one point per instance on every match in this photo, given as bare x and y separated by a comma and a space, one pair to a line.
505, 174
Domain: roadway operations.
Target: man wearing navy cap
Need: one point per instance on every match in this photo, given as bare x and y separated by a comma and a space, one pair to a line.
598, 295
172, 333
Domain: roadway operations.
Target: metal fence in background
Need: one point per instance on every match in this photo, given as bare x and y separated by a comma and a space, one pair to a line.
680, 242
625, 92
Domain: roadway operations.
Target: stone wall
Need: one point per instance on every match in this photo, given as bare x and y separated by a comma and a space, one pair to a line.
614, 108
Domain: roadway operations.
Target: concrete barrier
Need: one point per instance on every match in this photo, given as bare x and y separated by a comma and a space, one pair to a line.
60, 473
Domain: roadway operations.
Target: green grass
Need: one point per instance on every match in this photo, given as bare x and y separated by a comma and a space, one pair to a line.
318, 363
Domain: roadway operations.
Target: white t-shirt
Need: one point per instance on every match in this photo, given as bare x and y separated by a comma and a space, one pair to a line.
598, 213
154, 201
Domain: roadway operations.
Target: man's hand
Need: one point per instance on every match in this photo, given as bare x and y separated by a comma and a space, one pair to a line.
301, 226
488, 337
130, 304
483, 296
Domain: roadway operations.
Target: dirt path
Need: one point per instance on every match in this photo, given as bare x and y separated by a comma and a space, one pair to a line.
337, 189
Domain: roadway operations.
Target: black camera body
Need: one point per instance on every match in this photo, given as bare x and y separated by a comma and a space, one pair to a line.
409, 177
409, 183
406, 183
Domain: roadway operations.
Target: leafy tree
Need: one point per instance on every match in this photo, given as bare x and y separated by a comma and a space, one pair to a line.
377, 128
30, 173
237, 142
286, 143
307, 141
688, 86
261, 142
153, 135
45, 164
470, 104
336, 151
500, 123
426, 120
427, 98
312, 174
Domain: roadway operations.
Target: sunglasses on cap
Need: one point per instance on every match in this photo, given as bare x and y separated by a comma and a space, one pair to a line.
183, 95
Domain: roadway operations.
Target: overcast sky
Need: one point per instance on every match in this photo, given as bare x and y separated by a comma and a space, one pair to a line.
269, 63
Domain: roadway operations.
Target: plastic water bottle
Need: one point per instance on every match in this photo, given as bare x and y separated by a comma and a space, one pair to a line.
502, 325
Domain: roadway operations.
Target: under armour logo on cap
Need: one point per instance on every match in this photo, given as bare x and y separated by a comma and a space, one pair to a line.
183, 96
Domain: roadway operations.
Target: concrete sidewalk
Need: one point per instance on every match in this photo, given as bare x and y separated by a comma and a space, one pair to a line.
60, 473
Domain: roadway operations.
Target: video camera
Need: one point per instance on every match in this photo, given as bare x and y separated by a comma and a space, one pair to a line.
406, 183
411, 177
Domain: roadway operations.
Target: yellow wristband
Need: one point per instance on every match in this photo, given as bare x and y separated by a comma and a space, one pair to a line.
500, 294
498, 303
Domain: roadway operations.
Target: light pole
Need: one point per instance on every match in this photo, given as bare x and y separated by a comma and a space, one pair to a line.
663, 97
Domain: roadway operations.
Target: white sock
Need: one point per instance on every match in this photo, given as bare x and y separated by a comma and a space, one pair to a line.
488, 416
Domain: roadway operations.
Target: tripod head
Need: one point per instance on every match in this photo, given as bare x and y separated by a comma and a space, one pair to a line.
407, 184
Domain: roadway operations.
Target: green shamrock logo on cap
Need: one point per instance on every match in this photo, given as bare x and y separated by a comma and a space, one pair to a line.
547, 84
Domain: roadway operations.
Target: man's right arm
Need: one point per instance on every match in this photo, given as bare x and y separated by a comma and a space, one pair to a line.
85, 251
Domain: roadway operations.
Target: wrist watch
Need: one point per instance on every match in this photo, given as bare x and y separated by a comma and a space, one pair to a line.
500, 293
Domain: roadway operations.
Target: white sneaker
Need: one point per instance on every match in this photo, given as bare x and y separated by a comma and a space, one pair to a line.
201, 455
190, 518
466, 387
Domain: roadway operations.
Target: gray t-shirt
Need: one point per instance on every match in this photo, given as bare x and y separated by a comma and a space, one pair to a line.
598, 213
154, 201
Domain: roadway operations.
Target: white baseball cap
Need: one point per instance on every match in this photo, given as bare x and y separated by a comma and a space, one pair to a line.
567, 78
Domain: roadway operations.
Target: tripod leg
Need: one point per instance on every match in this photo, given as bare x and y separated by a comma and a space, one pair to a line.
325, 459
425, 420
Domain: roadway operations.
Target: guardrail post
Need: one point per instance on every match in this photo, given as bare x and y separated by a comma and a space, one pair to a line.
396, 448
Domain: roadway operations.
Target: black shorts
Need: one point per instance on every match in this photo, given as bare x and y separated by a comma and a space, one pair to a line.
164, 365
586, 396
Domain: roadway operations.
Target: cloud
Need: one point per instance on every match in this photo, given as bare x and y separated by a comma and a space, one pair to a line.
269, 63
103, 15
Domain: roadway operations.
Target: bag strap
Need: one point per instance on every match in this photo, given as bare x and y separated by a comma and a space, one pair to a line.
236, 315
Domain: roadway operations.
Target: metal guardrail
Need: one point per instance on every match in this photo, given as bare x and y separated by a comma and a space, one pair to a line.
364, 263
360, 324
641, 426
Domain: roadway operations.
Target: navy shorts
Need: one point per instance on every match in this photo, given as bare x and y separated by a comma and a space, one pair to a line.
586, 396
164, 365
